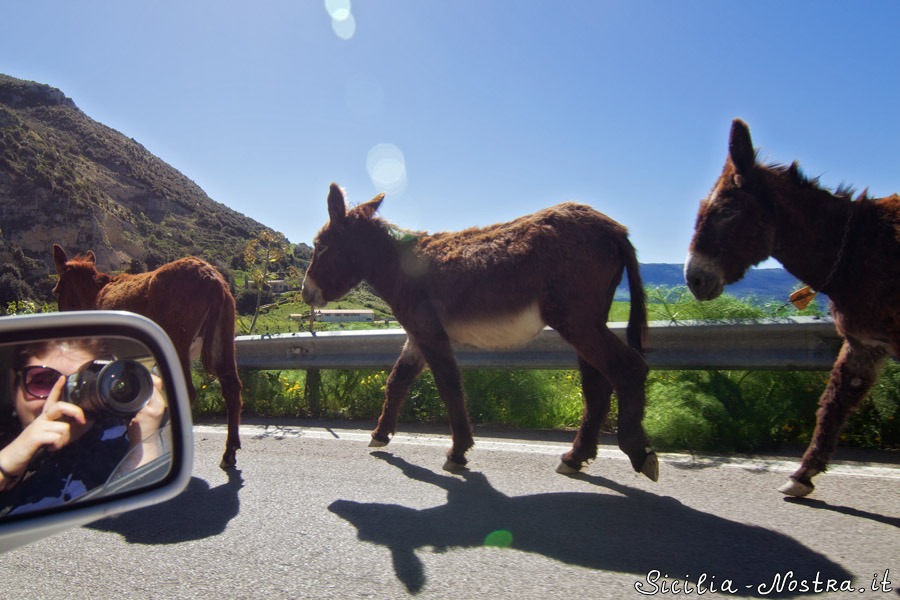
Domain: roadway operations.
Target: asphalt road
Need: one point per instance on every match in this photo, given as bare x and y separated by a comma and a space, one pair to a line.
312, 512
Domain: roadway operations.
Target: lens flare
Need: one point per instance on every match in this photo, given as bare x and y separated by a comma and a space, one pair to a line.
338, 9
387, 168
344, 29
342, 21
499, 539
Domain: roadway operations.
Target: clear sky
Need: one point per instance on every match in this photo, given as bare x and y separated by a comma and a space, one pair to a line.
469, 112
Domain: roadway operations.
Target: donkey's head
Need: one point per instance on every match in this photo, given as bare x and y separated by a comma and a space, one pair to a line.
735, 227
336, 265
79, 280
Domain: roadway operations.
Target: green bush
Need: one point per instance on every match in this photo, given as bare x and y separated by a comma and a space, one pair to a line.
681, 414
748, 411
876, 422
542, 399
533, 399
741, 411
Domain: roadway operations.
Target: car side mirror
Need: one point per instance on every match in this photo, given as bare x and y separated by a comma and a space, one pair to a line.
134, 447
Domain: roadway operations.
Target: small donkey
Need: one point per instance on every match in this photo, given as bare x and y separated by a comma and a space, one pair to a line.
497, 287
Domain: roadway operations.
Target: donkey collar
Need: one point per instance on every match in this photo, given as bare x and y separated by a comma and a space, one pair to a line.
401, 235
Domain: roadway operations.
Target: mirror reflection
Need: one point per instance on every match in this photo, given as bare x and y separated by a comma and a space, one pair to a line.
80, 418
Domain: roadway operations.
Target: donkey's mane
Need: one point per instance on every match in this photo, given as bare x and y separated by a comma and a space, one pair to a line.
793, 172
82, 258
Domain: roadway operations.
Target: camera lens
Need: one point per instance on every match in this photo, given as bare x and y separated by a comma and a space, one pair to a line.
124, 387
116, 387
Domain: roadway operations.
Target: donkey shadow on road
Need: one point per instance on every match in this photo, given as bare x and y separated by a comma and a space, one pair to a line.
844, 510
627, 531
196, 513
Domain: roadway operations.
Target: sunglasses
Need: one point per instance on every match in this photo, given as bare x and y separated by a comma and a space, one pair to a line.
39, 380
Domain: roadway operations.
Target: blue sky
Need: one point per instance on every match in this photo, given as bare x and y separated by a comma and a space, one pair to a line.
472, 112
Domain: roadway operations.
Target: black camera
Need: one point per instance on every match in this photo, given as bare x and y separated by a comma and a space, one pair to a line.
115, 387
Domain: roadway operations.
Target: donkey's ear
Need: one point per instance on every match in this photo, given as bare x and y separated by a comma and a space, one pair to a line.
369, 208
740, 148
337, 207
60, 259
89, 257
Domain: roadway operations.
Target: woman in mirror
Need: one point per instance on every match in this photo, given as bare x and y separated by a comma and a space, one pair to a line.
53, 450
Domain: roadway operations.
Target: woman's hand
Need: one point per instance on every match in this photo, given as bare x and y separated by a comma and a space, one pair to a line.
57, 425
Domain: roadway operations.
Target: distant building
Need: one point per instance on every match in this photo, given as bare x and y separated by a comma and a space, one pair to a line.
276, 286
345, 315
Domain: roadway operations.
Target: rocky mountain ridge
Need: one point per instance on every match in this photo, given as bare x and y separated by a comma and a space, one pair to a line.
67, 179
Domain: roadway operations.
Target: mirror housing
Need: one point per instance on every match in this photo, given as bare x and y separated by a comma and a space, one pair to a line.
147, 486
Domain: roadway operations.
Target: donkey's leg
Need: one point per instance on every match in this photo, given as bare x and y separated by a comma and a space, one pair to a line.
852, 376
626, 370
406, 369
597, 391
439, 356
218, 353
231, 391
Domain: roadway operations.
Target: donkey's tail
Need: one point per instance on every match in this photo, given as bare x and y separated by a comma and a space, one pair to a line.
636, 331
218, 331
218, 358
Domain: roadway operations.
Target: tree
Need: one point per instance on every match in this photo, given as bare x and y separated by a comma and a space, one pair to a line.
137, 266
261, 254
14, 293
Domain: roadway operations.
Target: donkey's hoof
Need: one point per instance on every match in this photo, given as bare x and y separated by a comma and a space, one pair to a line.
650, 467
565, 468
376, 443
796, 488
229, 460
451, 465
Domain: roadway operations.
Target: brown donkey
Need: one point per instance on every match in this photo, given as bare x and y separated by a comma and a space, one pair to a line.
848, 250
492, 288
188, 298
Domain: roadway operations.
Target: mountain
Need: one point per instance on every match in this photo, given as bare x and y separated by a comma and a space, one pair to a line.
764, 284
67, 179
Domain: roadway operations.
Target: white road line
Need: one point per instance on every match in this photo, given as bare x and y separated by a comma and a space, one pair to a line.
549, 448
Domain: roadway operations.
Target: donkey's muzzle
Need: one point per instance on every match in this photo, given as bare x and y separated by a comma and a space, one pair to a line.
703, 277
311, 293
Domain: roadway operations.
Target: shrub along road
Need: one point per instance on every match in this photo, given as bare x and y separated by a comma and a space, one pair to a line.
312, 512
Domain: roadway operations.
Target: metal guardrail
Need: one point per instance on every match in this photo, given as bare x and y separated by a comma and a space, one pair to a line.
791, 343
